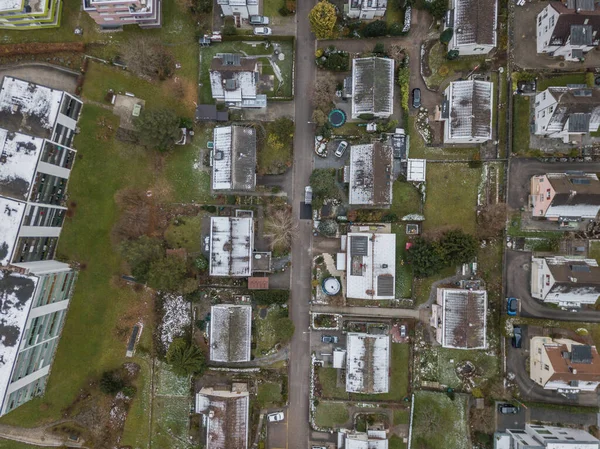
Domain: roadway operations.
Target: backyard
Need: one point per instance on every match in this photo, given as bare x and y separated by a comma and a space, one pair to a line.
440, 421
443, 70
274, 329
404, 272
418, 149
406, 199
331, 414
521, 129
544, 82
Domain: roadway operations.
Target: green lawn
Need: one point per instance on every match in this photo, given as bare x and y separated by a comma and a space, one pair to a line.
451, 199
406, 199
328, 380
439, 421
595, 250
561, 80
396, 442
89, 344
423, 286
418, 149
269, 395
268, 331
9, 444
444, 70
404, 272
486, 364
520, 124
331, 414
186, 233
275, 155
393, 14
401, 416
271, 8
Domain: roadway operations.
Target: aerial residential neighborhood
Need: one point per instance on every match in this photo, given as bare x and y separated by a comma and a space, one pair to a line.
286, 224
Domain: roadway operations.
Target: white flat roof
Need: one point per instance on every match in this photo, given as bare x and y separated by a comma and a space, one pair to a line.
230, 333
10, 5
368, 363
18, 291
11, 214
20, 154
416, 170
370, 265
464, 318
231, 246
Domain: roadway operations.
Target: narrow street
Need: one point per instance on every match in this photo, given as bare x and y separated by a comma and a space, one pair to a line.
299, 364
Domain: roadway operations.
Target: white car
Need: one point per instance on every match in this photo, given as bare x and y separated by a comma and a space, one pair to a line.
275, 417
263, 31
341, 149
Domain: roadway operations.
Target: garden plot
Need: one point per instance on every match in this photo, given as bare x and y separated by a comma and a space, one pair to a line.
440, 421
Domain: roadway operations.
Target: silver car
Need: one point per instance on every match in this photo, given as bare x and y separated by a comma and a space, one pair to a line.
341, 149
262, 31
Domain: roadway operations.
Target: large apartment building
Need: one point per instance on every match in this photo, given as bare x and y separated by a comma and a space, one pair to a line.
30, 14
536, 436
113, 14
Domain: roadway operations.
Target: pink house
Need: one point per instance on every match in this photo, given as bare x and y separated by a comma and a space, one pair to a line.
560, 195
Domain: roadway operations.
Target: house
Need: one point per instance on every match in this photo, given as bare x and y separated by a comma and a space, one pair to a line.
371, 175
372, 87
230, 333
34, 307
234, 159
226, 416
568, 282
239, 9
210, 113
370, 265
568, 28
113, 14
567, 113
231, 246
366, 9
367, 363
467, 112
561, 196
537, 436
371, 439
564, 365
474, 24
234, 80
459, 317
33, 14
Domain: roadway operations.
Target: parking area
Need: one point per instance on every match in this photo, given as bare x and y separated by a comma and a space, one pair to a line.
277, 431
324, 351
509, 420
331, 160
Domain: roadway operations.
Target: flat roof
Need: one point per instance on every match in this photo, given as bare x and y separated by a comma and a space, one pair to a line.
19, 155
367, 363
371, 174
28, 107
416, 170
464, 318
231, 246
234, 158
11, 214
230, 333
16, 297
370, 265
11, 5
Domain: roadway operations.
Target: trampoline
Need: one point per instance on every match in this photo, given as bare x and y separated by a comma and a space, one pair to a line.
331, 286
337, 118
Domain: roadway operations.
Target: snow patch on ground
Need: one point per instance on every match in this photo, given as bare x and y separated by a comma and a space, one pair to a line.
175, 319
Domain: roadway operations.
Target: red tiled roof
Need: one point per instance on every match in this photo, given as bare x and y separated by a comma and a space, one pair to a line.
256, 283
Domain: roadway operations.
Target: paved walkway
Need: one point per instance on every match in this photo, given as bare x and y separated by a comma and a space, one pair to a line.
38, 436
379, 312
279, 356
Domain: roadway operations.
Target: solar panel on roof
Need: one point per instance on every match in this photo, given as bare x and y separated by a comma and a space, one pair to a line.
359, 246
580, 268
580, 181
581, 354
385, 285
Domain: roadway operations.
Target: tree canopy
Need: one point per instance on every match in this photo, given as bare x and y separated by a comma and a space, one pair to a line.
323, 183
140, 253
322, 20
185, 358
158, 129
168, 274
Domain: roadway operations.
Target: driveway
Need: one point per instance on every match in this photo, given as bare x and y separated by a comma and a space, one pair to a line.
518, 279
275, 110
331, 160
521, 171
44, 74
277, 432
512, 421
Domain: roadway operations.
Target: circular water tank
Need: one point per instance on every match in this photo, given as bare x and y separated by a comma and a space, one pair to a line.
331, 286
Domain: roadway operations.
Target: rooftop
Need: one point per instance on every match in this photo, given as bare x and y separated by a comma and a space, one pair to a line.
258, 283
230, 333
578, 20
578, 109
415, 171
470, 109
371, 174
19, 156
575, 189
11, 214
16, 296
372, 86
368, 4
572, 361
28, 107
463, 318
367, 363
231, 246
233, 77
370, 265
10, 5
575, 276
474, 22
234, 160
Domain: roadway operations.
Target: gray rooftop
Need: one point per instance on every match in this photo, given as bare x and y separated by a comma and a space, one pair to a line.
231, 246
470, 109
19, 156
234, 158
372, 86
475, 22
581, 35
230, 333
464, 318
371, 174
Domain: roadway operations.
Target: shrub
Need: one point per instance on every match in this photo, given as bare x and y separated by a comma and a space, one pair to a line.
446, 35
328, 228
185, 358
375, 29
379, 48
268, 297
403, 82
229, 28
200, 263
452, 55
338, 62
111, 382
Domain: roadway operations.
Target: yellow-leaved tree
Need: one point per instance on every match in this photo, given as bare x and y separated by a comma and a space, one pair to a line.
322, 20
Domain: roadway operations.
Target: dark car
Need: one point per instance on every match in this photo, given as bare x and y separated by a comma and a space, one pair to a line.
516, 340
512, 305
416, 98
259, 20
507, 409
329, 339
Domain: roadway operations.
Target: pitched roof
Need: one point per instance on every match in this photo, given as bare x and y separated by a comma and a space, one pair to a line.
475, 22
574, 276
582, 23
582, 363
367, 363
234, 158
226, 418
258, 283
578, 105
372, 86
464, 318
470, 114
574, 189
371, 174
230, 333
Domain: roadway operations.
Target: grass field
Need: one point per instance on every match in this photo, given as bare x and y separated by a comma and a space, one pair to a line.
395, 442
328, 380
561, 80
401, 416
331, 414
451, 199
439, 421
185, 234
520, 124
404, 271
406, 199
418, 149
267, 332
269, 395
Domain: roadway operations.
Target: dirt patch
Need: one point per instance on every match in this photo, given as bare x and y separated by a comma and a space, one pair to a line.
36, 48
425, 69
184, 90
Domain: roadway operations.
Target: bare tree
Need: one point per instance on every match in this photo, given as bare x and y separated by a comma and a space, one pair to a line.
280, 227
323, 92
147, 56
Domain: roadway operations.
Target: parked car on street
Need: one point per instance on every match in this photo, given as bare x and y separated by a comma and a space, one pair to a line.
512, 306
329, 339
262, 31
341, 149
275, 417
416, 98
507, 409
516, 340
308, 195
259, 20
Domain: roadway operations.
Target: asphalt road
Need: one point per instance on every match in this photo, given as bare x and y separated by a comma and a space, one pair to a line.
299, 365
521, 171
518, 281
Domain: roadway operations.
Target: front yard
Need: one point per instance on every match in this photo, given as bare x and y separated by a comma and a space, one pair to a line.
521, 129
331, 414
275, 328
443, 71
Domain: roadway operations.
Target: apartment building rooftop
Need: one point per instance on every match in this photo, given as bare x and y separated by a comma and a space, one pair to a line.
19, 155
11, 214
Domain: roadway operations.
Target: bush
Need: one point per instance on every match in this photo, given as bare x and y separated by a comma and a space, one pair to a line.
140, 254
324, 186
437, 8
375, 29
338, 61
268, 297
201, 263
208, 208
229, 28
111, 382
328, 228
396, 29
379, 48
452, 55
446, 35
403, 82
366, 116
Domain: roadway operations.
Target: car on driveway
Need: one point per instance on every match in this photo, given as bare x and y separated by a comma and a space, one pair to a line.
259, 20
275, 417
517, 336
403, 331
262, 31
329, 339
341, 149
416, 94
508, 409
512, 305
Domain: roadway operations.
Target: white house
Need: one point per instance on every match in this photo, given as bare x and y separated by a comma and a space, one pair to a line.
564, 365
568, 29
567, 113
239, 8
231, 246
371, 175
474, 24
467, 112
366, 9
234, 81
371, 439
536, 436
367, 363
372, 87
565, 281
234, 159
